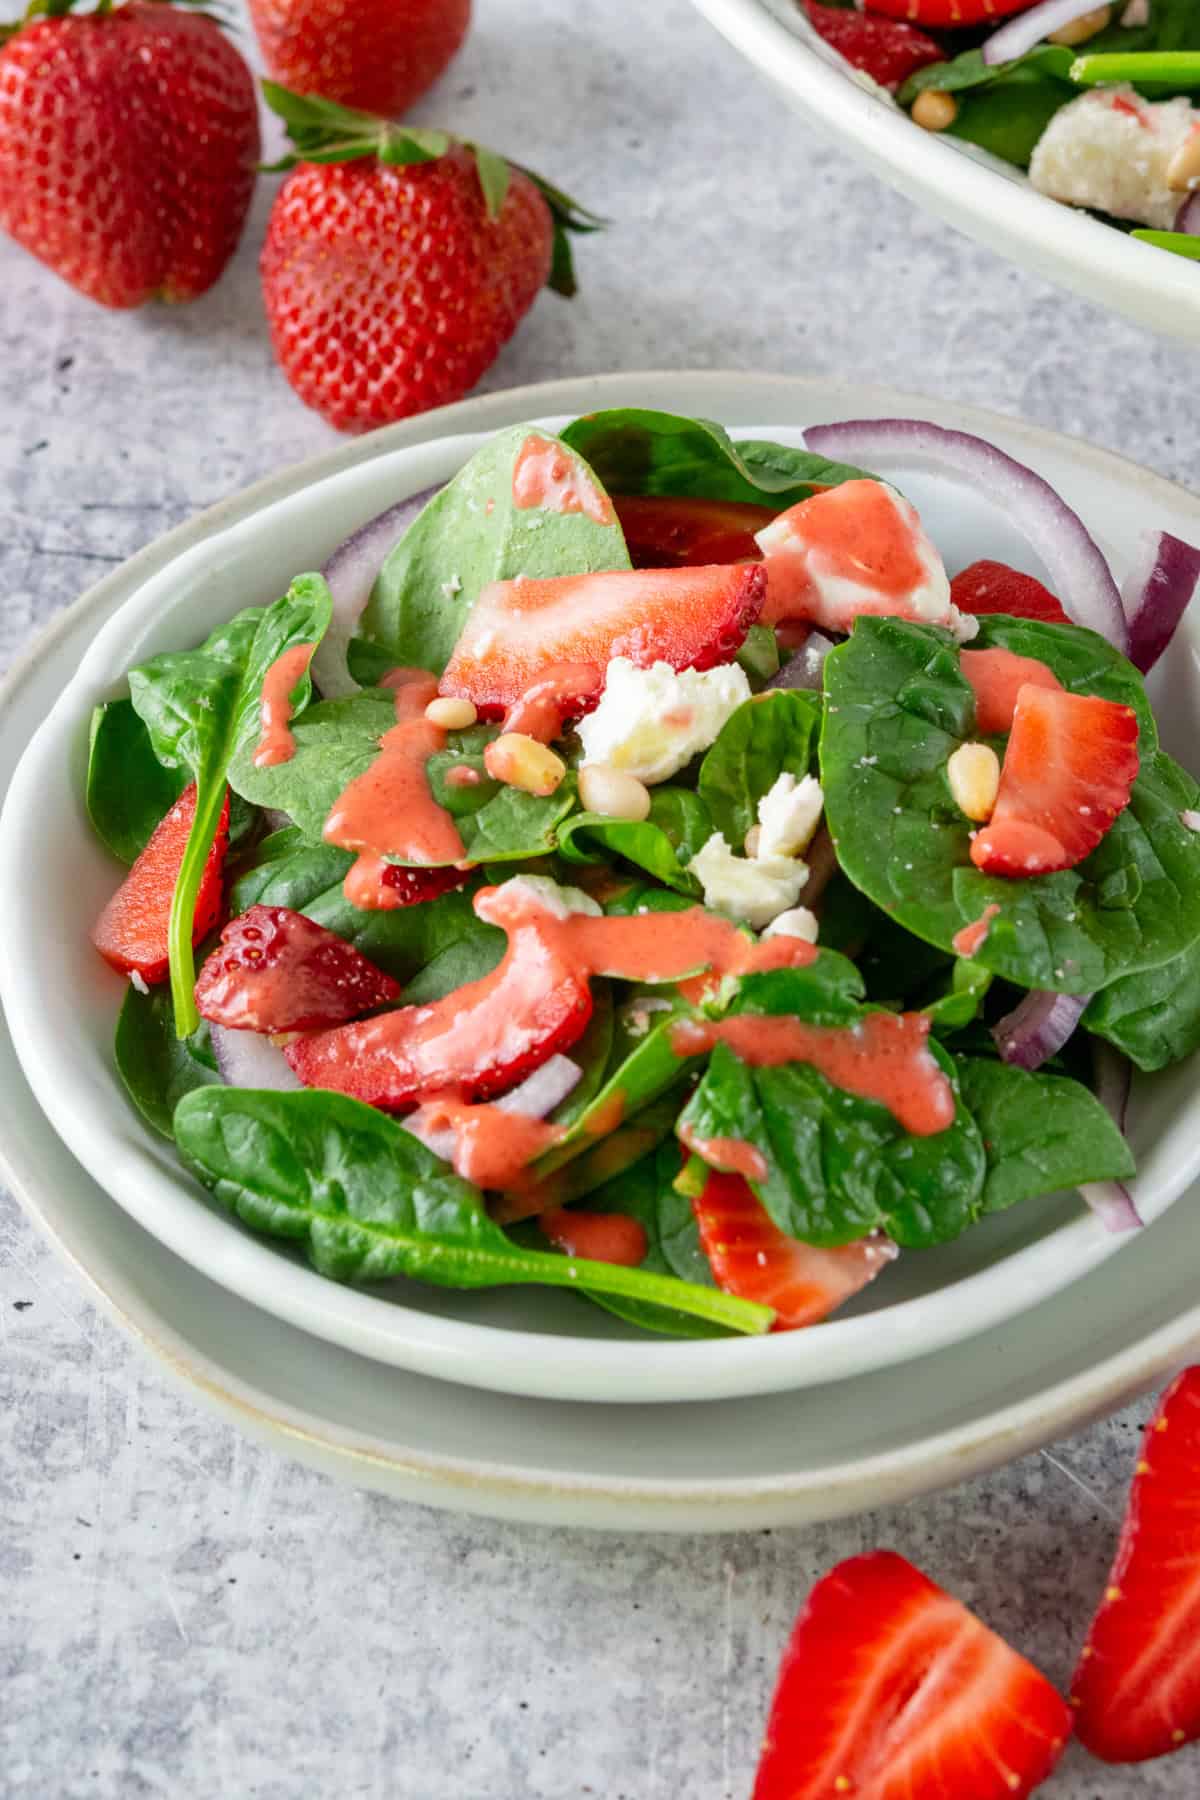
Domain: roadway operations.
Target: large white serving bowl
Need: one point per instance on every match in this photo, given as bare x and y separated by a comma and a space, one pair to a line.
61, 1002
982, 196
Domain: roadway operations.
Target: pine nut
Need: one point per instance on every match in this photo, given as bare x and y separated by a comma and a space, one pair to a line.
1082, 29
753, 840
973, 772
797, 922
934, 110
451, 714
522, 762
1183, 170
613, 793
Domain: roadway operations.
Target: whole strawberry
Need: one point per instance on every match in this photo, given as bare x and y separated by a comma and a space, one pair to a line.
398, 262
128, 147
378, 55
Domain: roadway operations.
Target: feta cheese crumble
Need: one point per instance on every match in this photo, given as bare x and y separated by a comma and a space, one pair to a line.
1110, 150
650, 722
560, 902
797, 922
755, 890
788, 815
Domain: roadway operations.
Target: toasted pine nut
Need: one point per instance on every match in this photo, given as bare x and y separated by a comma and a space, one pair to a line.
523, 763
1183, 170
797, 922
1082, 29
934, 110
753, 840
613, 793
973, 772
451, 714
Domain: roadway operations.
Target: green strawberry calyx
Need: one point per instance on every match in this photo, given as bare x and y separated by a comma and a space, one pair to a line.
321, 131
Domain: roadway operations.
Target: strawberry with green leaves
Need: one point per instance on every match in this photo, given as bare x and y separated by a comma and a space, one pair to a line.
128, 146
399, 261
379, 55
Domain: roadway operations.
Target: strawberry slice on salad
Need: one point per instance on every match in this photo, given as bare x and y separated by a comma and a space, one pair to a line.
951, 13
689, 618
131, 932
277, 970
1137, 1688
997, 677
669, 531
887, 50
992, 587
891, 1690
751, 1258
1068, 770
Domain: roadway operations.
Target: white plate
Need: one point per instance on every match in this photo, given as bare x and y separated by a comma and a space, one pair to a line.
786, 1459
61, 1002
982, 196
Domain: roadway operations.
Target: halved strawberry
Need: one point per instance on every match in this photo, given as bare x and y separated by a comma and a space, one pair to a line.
946, 12
276, 970
886, 50
1137, 1688
131, 932
409, 887
665, 530
891, 1690
750, 1257
992, 587
997, 677
1067, 772
597, 1237
690, 618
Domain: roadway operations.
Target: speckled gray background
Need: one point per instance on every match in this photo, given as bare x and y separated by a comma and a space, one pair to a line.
184, 1614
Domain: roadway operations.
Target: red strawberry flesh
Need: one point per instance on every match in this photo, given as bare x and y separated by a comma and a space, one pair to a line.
887, 50
276, 970
131, 932
663, 531
992, 587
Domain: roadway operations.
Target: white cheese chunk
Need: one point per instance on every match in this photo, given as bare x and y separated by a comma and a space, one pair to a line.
1109, 150
650, 722
788, 815
798, 922
753, 889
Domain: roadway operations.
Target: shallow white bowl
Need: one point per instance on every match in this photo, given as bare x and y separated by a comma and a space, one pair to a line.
61, 1002
987, 199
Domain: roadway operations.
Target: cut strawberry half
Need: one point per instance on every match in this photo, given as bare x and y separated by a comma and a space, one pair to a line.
992, 587
666, 531
276, 970
409, 887
690, 618
891, 1690
952, 13
996, 678
477, 1041
597, 1237
1137, 1688
750, 1257
1068, 770
131, 932
887, 50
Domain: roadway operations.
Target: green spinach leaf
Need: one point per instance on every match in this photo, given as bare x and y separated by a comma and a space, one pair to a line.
1153, 1017
1040, 1132
678, 826
128, 790
771, 735
157, 1067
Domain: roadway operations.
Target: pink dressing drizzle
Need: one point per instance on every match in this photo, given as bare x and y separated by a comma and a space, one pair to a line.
276, 744
491, 1145
545, 475
967, 941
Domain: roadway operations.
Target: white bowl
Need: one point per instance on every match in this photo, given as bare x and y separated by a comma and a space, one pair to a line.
980, 195
61, 1001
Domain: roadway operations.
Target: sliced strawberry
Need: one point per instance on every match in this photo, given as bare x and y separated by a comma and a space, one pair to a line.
409, 887
886, 50
752, 1258
276, 970
1137, 1687
946, 12
992, 587
131, 932
478, 1041
1067, 772
666, 531
598, 1237
997, 677
891, 1690
690, 618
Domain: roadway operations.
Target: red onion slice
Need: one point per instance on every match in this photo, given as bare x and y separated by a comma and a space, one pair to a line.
1156, 595
1038, 1028
1112, 1203
246, 1059
1021, 34
535, 1098
351, 573
1188, 217
1075, 564
806, 669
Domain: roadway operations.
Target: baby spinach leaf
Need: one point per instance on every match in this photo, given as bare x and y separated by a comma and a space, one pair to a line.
597, 1163
766, 737
157, 1067
128, 789
1040, 1132
635, 1077
591, 1054
1153, 1016
473, 532
897, 706
202, 710
637, 451
678, 827
962, 990
369, 1201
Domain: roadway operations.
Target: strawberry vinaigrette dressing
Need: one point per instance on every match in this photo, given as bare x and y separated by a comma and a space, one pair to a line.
861, 532
544, 475
733, 1155
562, 692
967, 940
276, 744
491, 1145
597, 1237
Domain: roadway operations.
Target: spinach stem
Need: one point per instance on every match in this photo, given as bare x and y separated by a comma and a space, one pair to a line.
183, 907
1174, 68
1180, 243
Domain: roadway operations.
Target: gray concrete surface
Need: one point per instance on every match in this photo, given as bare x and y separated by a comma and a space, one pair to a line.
184, 1614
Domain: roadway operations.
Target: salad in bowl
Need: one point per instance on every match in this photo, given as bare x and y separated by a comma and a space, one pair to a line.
637, 867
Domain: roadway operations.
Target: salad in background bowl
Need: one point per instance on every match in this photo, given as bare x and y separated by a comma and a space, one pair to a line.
636, 867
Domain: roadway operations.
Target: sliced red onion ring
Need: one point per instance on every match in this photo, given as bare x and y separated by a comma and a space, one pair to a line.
1162, 582
806, 668
1075, 564
1038, 1028
351, 573
1021, 34
1188, 217
1112, 1203
246, 1059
